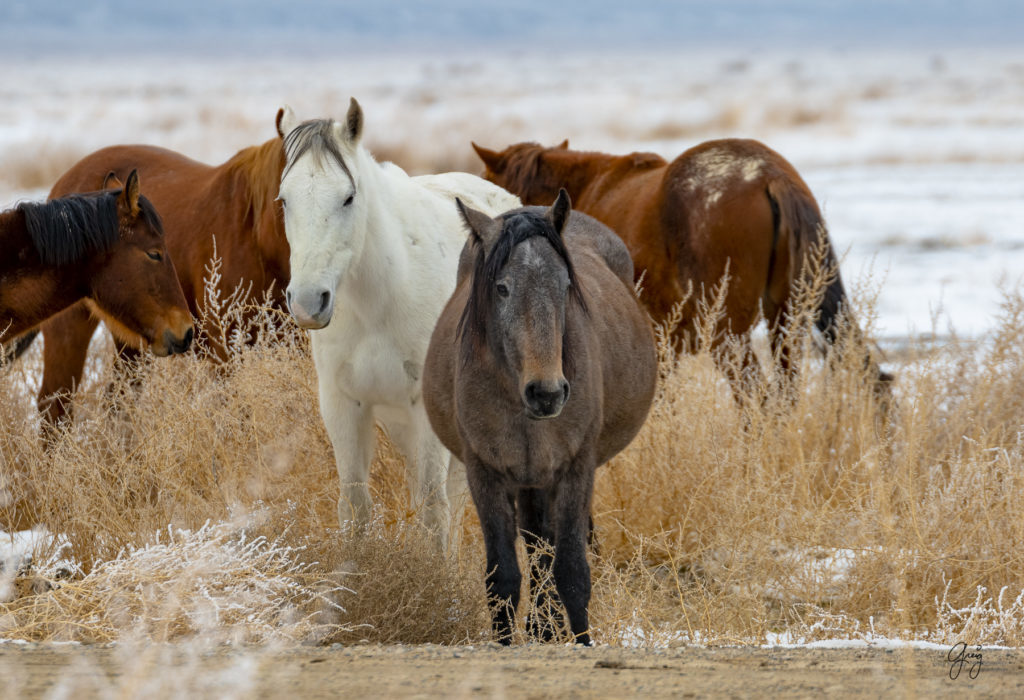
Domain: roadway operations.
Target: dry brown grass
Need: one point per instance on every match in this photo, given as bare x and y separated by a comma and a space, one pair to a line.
721, 523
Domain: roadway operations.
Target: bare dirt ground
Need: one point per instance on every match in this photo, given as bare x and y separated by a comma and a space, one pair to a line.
44, 670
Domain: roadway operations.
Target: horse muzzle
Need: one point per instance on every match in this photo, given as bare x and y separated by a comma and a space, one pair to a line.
311, 308
545, 399
172, 343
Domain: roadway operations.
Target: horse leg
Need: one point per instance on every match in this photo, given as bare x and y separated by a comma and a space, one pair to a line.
426, 462
745, 377
349, 424
535, 526
496, 509
571, 512
782, 351
126, 378
66, 339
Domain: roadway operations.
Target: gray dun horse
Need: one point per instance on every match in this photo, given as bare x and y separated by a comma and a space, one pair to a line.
541, 368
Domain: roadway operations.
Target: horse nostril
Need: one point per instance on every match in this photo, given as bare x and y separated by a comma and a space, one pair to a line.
288, 298
565, 390
531, 392
325, 298
189, 334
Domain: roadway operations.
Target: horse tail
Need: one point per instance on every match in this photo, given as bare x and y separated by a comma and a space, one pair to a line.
799, 225
9, 352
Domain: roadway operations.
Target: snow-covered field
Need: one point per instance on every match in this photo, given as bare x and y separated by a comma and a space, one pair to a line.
917, 157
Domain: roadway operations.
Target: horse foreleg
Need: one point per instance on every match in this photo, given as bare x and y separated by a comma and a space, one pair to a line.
426, 462
496, 509
535, 525
126, 377
570, 509
349, 424
66, 339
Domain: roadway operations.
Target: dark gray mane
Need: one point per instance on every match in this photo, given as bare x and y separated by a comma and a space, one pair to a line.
315, 137
65, 230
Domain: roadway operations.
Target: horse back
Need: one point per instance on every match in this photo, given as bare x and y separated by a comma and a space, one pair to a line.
197, 202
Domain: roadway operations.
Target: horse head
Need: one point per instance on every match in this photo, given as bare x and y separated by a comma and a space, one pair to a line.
523, 280
135, 289
324, 210
526, 169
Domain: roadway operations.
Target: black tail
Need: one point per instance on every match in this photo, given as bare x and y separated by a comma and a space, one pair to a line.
9, 352
800, 225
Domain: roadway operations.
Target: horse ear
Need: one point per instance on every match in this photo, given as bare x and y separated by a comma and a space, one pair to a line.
560, 210
564, 146
482, 227
130, 194
111, 182
354, 121
492, 159
286, 121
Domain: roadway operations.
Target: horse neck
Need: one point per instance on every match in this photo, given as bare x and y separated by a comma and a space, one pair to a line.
383, 256
576, 171
256, 171
31, 291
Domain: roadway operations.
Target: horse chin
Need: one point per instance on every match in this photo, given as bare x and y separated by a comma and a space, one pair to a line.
311, 324
540, 416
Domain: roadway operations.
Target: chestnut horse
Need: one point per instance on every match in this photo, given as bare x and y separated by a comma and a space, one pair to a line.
729, 206
541, 368
228, 211
104, 249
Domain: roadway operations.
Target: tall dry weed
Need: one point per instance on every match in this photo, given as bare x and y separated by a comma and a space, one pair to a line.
811, 512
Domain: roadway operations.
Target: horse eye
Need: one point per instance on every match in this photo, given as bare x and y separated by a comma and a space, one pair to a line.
283, 203
348, 201
502, 290
155, 255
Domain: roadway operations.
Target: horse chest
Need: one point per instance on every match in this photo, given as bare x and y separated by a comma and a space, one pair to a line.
371, 368
528, 453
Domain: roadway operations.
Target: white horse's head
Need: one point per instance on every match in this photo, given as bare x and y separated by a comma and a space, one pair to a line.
324, 209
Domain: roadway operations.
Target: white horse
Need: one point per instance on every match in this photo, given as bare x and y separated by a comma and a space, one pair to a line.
374, 254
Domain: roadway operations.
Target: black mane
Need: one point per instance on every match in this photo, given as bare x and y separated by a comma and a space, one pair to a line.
67, 229
516, 228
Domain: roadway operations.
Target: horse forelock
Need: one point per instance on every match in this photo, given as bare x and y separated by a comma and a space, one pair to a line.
315, 137
517, 228
67, 229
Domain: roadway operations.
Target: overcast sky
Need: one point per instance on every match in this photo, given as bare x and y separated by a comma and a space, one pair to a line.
322, 26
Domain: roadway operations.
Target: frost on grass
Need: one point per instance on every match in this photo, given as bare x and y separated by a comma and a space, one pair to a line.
219, 582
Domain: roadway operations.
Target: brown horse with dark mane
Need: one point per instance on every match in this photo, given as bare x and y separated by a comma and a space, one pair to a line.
729, 206
228, 211
102, 249
541, 368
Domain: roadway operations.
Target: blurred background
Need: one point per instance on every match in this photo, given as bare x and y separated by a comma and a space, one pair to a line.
905, 117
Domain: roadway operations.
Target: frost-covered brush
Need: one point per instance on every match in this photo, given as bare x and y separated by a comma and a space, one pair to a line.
216, 582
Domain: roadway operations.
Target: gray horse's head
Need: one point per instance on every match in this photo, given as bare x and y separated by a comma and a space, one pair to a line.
523, 283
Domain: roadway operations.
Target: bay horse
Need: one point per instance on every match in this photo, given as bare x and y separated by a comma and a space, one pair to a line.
541, 368
228, 210
373, 260
105, 250
727, 206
